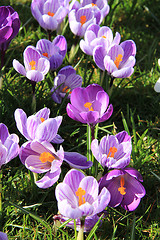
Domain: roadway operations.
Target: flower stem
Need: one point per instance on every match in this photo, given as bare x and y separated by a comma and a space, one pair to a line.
81, 231
1, 199
89, 157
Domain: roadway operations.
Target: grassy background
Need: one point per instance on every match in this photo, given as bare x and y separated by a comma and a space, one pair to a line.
28, 211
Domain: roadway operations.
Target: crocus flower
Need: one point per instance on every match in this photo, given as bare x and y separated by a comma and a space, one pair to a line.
42, 158
9, 147
89, 105
38, 126
3, 236
36, 66
49, 13
65, 82
125, 187
9, 26
54, 51
119, 59
95, 36
89, 223
80, 19
78, 196
95, 5
113, 151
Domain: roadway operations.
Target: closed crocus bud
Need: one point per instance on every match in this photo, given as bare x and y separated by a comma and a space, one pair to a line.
9, 26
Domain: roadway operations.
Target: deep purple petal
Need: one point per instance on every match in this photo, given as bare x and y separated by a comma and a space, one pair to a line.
77, 160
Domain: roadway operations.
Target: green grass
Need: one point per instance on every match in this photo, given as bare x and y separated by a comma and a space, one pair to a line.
28, 210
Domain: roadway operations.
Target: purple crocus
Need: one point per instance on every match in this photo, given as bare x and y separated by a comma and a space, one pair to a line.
98, 36
80, 19
42, 158
54, 51
3, 236
95, 5
89, 105
49, 13
119, 59
38, 126
9, 147
113, 151
78, 196
125, 187
65, 82
9, 26
89, 223
36, 66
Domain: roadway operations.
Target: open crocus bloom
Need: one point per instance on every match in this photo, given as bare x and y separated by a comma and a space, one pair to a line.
78, 196
89, 105
38, 126
89, 223
119, 59
54, 51
124, 187
49, 13
65, 82
113, 151
9, 147
96, 35
36, 66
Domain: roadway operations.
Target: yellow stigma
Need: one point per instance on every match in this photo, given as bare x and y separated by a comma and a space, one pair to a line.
103, 36
118, 60
83, 20
89, 106
42, 119
32, 64
121, 189
80, 193
50, 14
112, 151
45, 54
46, 157
66, 89
93, 4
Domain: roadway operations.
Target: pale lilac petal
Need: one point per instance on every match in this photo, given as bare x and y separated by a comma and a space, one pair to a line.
123, 73
34, 164
90, 185
19, 67
21, 121
87, 209
102, 201
107, 114
73, 179
43, 66
4, 152
49, 179
98, 56
43, 113
90, 116
47, 130
77, 160
13, 149
109, 65
65, 192
34, 75
3, 133
157, 86
68, 210
74, 113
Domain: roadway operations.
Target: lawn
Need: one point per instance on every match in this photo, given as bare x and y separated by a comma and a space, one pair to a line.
27, 209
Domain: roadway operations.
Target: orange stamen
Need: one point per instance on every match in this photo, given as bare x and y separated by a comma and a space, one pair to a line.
118, 60
112, 151
121, 189
83, 20
89, 106
32, 64
103, 36
93, 4
42, 119
66, 89
45, 54
79, 193
50, 14
46, 157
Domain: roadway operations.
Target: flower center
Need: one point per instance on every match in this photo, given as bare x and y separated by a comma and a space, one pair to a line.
121, 189
93, 4
51, 14
118, 60
32, 64
112, 151
45, 54
80, 193
46, 157
83, 20
103, 36
89, 106
42, 119
66, 89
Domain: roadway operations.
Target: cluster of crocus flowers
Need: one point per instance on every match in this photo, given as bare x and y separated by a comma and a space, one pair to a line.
49, 13
9, 147
78, 196
83, 14
89, 105
35, 66
64, 83
54, 51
